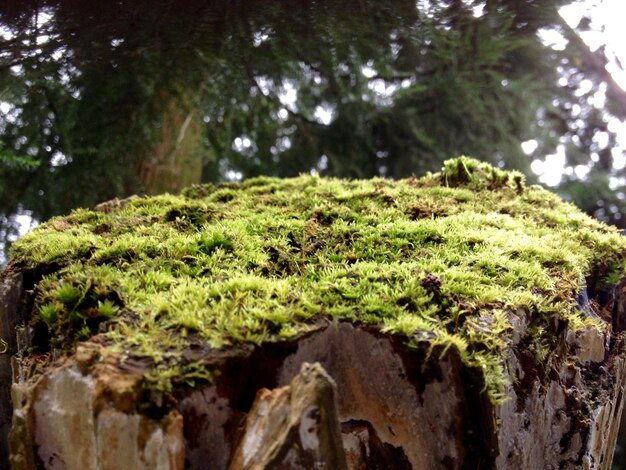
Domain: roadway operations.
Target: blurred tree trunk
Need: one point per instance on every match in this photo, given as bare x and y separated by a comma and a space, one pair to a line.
173, 161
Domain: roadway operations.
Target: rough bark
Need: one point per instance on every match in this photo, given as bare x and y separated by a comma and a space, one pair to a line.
82, 416
173, 162
397, 407
11, 291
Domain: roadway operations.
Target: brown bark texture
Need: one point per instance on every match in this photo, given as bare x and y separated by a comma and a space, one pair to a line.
341, 396
173, 161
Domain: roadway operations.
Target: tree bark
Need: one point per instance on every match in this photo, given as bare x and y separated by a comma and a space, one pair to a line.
397, 407
174, 161
11, 293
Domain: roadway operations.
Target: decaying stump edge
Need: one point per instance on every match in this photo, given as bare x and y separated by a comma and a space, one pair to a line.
413, 408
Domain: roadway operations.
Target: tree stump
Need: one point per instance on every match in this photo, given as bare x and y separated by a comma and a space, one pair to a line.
460, 320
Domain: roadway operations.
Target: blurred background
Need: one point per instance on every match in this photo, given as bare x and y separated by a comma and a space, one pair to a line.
113, 98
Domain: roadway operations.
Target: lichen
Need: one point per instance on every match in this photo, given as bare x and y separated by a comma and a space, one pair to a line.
440, 260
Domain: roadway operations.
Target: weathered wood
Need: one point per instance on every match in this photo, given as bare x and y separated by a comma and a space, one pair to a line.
293, 427
82, 415
11, 296
396, 407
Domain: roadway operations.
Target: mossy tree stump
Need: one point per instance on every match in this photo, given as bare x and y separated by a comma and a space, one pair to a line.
463, 320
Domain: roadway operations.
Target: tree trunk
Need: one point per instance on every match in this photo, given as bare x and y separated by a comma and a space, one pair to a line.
174, 161
11, 316
278, 351
397, 408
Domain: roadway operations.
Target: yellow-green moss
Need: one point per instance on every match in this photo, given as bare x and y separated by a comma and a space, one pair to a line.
439, 259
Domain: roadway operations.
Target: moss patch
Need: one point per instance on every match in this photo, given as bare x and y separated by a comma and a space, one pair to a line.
441, 260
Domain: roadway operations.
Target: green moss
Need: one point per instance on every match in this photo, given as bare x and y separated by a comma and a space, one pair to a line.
74, 305
442, 260
470, 173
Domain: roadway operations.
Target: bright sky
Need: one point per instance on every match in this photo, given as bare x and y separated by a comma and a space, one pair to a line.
607, 27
